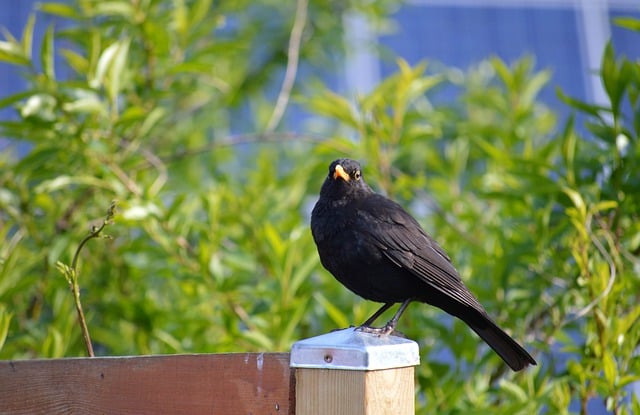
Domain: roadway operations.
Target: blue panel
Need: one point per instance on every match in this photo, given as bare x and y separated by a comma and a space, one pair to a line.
13, 17
625, 42
461, 37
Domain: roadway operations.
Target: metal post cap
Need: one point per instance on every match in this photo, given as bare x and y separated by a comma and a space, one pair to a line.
349, 349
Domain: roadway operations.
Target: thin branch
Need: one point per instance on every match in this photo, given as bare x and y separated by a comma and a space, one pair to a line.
292, 65
71, 274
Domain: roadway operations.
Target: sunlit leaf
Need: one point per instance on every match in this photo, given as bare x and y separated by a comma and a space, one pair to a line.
515, 391
13, 53
630, 23
58, 9
338, 317
590, 109
5, 322
27, 36
76, 61
47, 53
609, 367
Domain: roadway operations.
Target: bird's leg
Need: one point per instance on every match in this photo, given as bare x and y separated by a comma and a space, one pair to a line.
391, 325
377, 314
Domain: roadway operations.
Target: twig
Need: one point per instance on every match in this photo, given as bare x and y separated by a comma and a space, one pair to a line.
71, 274
292, 65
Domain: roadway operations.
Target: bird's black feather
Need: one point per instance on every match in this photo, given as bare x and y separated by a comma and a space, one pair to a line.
380, 252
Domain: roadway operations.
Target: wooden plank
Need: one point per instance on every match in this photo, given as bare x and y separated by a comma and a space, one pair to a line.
237, 383
355, 392
390, 389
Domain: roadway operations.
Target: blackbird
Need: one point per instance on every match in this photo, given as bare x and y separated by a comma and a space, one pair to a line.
379, 251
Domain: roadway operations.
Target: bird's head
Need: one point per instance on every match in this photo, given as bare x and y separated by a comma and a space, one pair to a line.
344, 179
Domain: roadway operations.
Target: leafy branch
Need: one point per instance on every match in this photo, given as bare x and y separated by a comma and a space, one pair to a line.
71, 275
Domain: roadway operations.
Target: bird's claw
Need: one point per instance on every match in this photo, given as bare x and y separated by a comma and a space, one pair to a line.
385, 330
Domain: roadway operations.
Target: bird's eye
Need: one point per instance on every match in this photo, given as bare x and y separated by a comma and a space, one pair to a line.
356, 175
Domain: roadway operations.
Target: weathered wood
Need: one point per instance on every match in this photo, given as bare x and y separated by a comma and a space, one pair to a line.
354, 392
238, 383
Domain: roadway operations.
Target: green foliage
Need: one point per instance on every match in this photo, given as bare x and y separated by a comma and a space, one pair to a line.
211, 250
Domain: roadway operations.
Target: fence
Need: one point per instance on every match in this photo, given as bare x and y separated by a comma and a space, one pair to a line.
344, 372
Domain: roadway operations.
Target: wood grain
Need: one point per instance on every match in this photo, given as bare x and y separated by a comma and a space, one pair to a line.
352, 392
237, 383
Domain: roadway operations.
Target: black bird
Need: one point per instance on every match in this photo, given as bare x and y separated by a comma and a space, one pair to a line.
379, 251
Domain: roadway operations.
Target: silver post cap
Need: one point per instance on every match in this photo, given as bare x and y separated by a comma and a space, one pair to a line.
349, 349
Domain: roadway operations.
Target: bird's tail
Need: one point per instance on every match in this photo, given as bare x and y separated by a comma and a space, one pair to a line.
508, 349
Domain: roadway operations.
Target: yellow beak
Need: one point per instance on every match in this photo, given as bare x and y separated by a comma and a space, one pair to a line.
339, 172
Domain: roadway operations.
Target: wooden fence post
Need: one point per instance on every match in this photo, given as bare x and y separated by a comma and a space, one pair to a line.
348, 372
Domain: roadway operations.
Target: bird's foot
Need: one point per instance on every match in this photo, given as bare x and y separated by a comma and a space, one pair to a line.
385, 330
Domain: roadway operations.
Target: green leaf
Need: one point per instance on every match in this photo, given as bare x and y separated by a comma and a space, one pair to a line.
613, 78
610, 369
260, 339
180, 21
47, 54
116, 73
12, 52
635, 404
625, 323
67, 272
27, 36
63, 181
630, 23
503, 72
5, 322
604, 205
628, 379
302, 272
336, 315
577, 200
533, 87
120, 8
590, 109
12, 99
515, 391
141, 210
86, 104
79, 63
168, 339
334, 106
151, 120
292, 322
608, 72
104, 63
199, 11
110, 68
569, 144
59, 9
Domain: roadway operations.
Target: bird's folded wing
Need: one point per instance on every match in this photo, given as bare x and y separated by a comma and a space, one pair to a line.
404, 242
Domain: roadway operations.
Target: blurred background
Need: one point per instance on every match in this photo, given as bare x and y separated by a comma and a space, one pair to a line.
565, 36
509, 128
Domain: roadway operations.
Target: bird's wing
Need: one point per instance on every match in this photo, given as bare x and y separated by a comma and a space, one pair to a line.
401, 239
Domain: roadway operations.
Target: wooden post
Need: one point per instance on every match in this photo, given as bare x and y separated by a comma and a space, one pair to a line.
348, 372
